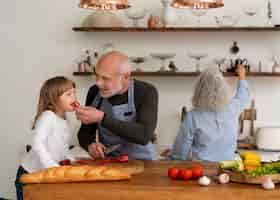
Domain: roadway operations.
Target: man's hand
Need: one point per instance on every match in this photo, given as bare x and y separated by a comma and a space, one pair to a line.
89, 115
241, 71
96, 150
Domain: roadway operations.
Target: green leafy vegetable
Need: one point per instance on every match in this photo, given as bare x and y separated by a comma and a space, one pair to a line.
271, 168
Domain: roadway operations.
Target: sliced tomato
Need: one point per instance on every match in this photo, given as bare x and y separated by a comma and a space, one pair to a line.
65, 162
85, 161
123, 158
119, 159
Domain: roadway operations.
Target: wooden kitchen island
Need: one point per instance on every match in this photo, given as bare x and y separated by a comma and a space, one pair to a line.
153, 184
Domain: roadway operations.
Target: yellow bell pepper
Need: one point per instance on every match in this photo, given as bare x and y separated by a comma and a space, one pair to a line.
251, 162
249, 155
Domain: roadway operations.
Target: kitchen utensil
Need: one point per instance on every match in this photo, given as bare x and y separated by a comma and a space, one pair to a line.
163, 57
102, 18
241, 177
137, 60
169, 13
226, 20
97, 136
135, 15
276, 64
220, 62
197, 57
123, 158
268, 138
199, 13
112, 148
275, 12
153, 21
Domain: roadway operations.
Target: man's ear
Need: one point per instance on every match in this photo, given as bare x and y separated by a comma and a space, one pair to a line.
126, 76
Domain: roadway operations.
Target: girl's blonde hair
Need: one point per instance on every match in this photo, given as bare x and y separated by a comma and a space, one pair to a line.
50, 92
211, 91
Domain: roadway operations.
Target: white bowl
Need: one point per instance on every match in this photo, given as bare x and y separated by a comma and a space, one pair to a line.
163, 56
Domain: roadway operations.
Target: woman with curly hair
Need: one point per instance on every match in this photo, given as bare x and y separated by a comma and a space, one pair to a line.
209, 131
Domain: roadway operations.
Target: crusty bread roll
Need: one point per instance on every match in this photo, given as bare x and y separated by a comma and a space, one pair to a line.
83, 173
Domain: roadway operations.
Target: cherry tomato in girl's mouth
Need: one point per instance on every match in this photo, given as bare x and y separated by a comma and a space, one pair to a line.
75, 104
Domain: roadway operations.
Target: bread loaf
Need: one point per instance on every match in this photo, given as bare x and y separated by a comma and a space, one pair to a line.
83, 173
132, 167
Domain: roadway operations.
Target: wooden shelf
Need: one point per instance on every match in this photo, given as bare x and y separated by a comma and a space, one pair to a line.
183, 74
174, 29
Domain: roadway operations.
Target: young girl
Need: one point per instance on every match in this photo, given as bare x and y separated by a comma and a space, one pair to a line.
51, 131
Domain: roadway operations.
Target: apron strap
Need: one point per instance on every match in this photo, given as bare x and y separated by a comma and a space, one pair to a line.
131, 95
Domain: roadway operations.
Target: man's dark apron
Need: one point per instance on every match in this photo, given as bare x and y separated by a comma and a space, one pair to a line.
123, 112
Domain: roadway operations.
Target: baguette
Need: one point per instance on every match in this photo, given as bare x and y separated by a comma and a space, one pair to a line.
132, 167
64, 174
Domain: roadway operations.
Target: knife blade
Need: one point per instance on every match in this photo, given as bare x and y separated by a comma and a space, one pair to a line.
112, 148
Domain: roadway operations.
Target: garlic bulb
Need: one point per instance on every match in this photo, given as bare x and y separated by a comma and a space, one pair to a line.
223, 178
204, 181
268, 184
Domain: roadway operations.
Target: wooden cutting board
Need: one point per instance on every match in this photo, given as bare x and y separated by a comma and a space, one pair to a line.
132, 167
242, 177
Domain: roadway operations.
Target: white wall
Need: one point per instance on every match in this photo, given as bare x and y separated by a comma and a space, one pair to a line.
37, 43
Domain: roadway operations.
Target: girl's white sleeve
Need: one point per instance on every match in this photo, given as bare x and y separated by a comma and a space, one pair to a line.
43, 128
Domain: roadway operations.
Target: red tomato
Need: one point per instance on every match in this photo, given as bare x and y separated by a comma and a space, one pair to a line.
123, 158
197, 171
173, 173
75, 104
185, 174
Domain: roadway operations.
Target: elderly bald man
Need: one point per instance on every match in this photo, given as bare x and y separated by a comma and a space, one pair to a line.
123, 110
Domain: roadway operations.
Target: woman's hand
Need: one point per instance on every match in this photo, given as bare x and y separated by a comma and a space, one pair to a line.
165, 154
241, 71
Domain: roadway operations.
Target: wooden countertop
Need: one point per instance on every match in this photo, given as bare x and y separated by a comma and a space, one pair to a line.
152, 184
